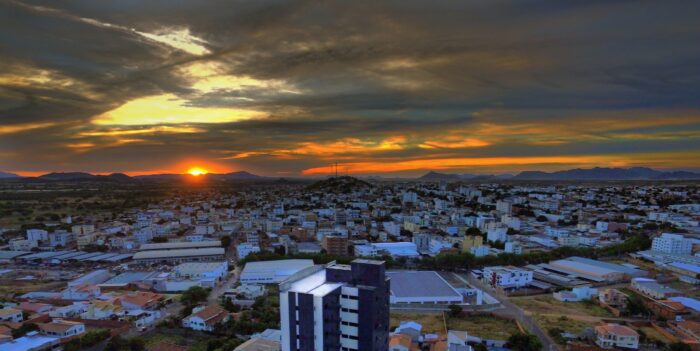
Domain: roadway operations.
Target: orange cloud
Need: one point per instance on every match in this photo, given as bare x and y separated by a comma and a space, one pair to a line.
334, 148
19, 128
454, 144
491, 162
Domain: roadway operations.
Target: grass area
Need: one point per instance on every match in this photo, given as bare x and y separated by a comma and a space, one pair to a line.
687, 289
19, 287
567, 324
546, 304
171, 338
484, 326
653, 335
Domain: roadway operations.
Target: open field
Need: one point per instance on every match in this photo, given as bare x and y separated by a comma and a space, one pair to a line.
687, 289
567, 324
21, 287
483, 326
546, 304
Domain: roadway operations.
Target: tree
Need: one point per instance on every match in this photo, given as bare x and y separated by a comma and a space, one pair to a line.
225, 241
678, 346
480, 347
24, 329
455, 310
194, 295
524, 342
472, 231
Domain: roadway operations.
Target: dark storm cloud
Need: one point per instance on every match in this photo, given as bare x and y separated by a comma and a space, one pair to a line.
386, 80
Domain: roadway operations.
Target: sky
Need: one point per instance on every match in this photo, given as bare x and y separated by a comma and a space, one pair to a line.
396, 88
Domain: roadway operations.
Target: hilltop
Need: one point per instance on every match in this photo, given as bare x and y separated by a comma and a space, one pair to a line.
344, 184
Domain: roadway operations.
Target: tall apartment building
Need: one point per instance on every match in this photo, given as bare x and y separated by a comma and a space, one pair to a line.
675, 244
336, 245
337, 307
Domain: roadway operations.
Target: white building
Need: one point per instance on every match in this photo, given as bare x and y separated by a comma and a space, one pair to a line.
614, 335
398, 249
504, 207
675, 244
245, 249
579, 293
207, 273
37, 235
272, 272
507, 277
11, 315
497, 234
206, 318
513, 248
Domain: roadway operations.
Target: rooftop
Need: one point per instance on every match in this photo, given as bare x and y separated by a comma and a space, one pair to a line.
180, 245
155, 254
420, 284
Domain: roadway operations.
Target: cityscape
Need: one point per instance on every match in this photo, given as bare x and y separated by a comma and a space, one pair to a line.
280, 175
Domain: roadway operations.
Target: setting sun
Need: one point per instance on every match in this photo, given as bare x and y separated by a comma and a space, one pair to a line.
196, 171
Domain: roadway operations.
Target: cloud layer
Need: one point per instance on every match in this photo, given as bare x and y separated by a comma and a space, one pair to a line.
291, 87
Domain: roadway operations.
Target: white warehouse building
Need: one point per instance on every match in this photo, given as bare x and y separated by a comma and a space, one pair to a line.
507, 277
272, 272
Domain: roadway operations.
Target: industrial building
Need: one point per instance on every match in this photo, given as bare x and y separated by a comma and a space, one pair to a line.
272, 272
421, 287
180, 245
180, 255
597, 270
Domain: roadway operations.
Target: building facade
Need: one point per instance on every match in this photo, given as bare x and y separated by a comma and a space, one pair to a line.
338, 307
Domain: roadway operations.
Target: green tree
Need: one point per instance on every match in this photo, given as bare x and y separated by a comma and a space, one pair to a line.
678, 346
194, 295
524, 342
225, 241
455, 310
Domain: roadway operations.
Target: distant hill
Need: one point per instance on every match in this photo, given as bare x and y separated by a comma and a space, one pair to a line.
448, 177
344, 184
7, 175
82, 176
599, 173
437, 177
241, 175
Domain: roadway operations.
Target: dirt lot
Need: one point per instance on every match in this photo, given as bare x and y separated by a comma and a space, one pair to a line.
483, 326
546, 304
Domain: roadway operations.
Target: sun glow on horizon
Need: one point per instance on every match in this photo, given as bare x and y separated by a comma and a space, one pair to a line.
197, 171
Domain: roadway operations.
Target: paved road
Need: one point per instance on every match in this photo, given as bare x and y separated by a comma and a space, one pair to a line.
514, 311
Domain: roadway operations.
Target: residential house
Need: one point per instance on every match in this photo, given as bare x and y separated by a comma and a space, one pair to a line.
61, 328
205, 318
11, 315
614, 335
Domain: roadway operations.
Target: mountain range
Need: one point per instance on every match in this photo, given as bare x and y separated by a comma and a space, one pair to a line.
597, 173
121, 177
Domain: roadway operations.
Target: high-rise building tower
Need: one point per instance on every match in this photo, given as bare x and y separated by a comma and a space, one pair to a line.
337, 307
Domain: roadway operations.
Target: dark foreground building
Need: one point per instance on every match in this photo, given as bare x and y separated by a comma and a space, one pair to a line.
337, 307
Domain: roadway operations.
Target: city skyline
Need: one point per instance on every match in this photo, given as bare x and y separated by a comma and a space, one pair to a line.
397, 89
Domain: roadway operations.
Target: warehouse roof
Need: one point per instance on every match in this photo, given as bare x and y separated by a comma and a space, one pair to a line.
420, 284
156, 254
6, 255
192, 268
278, 266
180, 245
686, 266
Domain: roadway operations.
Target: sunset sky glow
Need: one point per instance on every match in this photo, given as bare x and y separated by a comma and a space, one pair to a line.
289, 88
